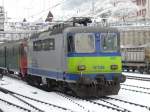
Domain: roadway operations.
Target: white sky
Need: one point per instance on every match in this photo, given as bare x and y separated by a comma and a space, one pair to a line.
34, 10
30, 9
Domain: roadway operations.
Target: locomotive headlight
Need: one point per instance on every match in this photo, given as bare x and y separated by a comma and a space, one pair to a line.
114, 67
81, 67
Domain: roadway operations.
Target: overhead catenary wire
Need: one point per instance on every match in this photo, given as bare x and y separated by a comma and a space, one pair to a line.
50, 8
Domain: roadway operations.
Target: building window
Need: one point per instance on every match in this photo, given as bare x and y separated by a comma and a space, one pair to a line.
144, 12
138, 2
143, 2
139, 13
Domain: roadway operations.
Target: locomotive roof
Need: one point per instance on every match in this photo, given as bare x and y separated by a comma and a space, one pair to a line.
78, 29
15, 42
90, 29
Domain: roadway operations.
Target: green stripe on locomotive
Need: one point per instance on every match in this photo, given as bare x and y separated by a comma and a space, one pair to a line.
95, 65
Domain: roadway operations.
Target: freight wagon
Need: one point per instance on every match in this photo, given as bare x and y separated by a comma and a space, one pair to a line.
136, 58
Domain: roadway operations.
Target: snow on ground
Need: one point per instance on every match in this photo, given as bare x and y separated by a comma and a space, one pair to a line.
136, 97
138, 83
27, 90
50, 97
54, 98
8, 108
136, 74
139, 98
8, 98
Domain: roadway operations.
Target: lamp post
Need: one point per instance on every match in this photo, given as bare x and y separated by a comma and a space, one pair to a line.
93, 6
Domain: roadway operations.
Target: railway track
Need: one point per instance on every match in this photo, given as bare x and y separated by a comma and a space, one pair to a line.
71, 99
22, 98
110, 106
27, 103
79, 105
138, 78
117, 106
1, 110
137, 91
131, 103
135, 86
22, 109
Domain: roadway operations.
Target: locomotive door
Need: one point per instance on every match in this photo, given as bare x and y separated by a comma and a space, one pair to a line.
23, 59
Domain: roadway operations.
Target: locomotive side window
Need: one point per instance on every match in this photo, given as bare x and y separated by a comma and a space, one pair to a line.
37, 45
47, 44
52, 44
109, 42
84, 43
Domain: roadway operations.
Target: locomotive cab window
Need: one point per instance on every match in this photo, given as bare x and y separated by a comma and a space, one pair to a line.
109, 42
84, 43
70, 42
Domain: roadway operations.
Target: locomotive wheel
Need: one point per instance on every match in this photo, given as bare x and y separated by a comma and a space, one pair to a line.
141, 70
127, 69
51, 84
147, 70
133, 70
5, 72
33, 80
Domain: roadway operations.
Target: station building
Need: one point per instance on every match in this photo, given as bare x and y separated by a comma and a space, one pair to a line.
144, 9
